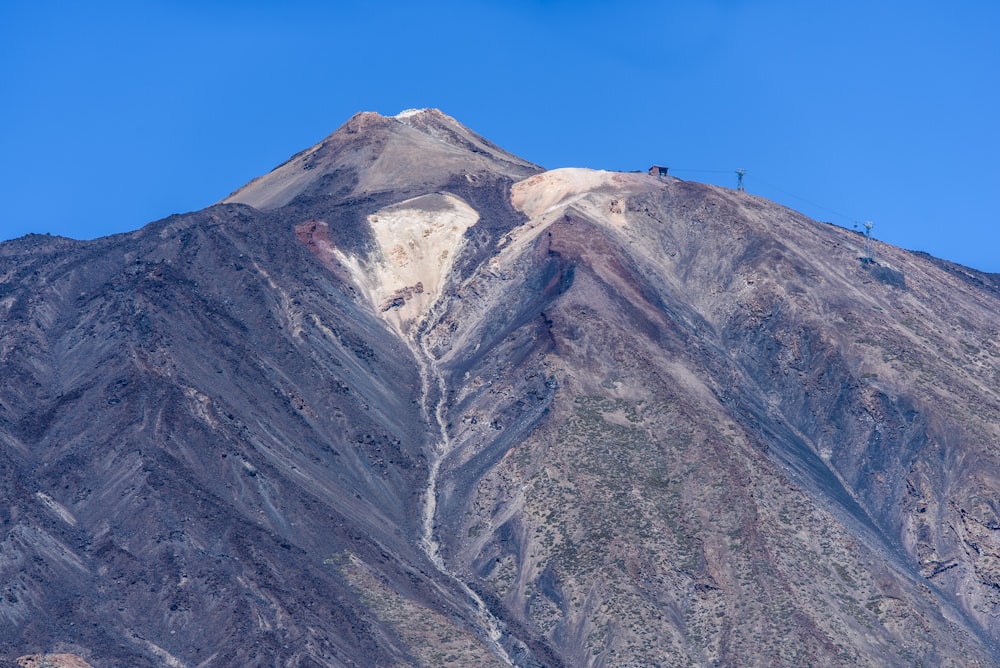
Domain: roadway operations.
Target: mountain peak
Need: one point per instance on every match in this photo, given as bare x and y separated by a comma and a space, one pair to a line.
418, 398
375, 153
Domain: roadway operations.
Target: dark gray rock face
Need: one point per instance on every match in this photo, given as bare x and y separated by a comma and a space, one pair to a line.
187, 436
410, 400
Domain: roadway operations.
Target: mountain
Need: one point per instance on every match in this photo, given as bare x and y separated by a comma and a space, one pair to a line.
411, 400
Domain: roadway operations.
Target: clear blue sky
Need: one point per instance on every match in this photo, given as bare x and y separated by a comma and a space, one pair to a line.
113, 114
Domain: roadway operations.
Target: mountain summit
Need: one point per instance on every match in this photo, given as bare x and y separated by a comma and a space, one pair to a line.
415, 150
411, 400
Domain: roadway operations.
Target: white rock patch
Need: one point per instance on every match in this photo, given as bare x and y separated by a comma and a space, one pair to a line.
545, 197
542, 193
418, 241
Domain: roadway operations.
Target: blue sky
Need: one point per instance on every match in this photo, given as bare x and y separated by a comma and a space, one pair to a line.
114, 114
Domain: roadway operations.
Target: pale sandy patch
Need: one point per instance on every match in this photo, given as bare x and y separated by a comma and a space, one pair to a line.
543, 193
51, 661
56, 507
418, 241
596, 194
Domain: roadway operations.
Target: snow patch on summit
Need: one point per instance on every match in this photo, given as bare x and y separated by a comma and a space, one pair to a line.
406, 113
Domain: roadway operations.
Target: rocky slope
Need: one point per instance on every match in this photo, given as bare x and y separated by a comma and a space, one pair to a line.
411, 400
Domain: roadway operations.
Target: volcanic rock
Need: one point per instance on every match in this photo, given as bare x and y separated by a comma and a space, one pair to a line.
411, 400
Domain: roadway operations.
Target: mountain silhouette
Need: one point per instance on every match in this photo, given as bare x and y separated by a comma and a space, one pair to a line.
409, 399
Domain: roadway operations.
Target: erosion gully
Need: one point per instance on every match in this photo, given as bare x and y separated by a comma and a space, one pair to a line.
433, 404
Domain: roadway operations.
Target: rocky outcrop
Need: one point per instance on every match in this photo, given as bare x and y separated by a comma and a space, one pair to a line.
410, 400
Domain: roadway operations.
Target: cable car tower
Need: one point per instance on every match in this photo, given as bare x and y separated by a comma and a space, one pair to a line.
869, 257
739, 179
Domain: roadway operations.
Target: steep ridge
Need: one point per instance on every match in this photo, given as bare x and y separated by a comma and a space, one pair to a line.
728, 396
409, 400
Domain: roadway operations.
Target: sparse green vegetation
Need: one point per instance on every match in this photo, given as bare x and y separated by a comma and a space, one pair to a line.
432, 638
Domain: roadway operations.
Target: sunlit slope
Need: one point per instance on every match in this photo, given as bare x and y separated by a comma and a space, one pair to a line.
697, 426
411, 400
